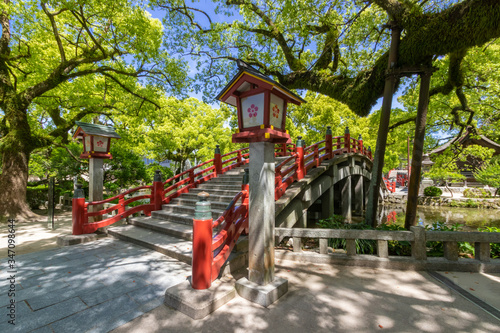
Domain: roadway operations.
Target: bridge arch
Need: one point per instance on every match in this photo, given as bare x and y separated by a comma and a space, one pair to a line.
337, 186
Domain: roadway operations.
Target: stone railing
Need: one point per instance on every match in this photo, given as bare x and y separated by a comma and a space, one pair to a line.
417, 236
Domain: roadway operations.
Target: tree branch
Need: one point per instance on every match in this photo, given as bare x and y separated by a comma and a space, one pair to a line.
293, 62
55, 31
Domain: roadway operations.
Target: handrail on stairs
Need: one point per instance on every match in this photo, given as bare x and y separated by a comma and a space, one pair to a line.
89, 216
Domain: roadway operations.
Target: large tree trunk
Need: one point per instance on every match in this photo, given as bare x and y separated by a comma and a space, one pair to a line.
13, 182
16, 149
378, 162
418, 151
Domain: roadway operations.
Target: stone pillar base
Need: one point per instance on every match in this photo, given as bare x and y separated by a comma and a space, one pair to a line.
198, 304
263, 295
67, 240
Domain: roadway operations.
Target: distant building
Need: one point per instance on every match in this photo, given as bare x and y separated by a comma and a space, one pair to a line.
467, 139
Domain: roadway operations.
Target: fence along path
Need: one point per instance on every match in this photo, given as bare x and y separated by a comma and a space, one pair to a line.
168, 227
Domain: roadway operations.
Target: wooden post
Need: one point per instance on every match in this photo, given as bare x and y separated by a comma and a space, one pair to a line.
328, 142
347, 139
78, 210
378, 163
202, 244
418, 150
360, 144
157, 195
218, 161
51, 204
300, 158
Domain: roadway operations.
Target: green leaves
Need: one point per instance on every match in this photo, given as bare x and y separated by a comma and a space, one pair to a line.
489, 174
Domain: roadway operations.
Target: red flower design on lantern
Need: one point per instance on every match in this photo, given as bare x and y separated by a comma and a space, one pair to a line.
252, 110
100, 143
276, 111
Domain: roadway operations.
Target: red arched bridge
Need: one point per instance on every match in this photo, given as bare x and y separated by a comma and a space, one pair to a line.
330, 176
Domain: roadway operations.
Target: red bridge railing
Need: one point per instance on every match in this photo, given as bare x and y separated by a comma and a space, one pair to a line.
303, 158
88, 216
210, 251
391, 186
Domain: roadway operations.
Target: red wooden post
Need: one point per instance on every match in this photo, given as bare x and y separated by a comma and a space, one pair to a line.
301, 171
157, 195
218, 161
245, 201
121, 203
370, 152
316, 155
360, 144
78, 210
202, 244
283, 149
239, 157
347, 139
191, 178
278, 191
328, 142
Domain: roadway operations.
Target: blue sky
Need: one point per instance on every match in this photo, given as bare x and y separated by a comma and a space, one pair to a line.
208, 6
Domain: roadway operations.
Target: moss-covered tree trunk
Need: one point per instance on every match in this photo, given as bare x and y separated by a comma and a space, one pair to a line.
15, 151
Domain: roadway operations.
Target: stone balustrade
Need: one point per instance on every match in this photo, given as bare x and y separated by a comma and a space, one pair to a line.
417, 236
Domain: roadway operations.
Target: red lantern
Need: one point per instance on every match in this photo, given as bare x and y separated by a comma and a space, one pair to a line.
261, 105
96, 139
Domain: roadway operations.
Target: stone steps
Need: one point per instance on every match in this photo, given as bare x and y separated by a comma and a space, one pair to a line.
169, 231
225, 192
213, 198
181, 201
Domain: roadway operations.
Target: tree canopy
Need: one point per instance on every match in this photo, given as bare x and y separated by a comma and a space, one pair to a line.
62, 61
337, 48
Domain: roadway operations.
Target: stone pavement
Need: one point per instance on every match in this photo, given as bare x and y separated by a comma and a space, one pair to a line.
323, 298
93, 287
113, 285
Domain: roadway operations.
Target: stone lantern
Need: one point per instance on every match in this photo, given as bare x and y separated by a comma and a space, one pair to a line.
261, 106
96, 139
96, 144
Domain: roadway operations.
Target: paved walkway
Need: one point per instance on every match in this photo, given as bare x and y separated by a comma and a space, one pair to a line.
112, 285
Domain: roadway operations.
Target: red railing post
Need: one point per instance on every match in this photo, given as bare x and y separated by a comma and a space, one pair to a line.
347, 139
78, 210
121, 202
218, 161
360, 144
202, 244
240, 158
370, 152
157, 195
328, 142
301, 171
245, 200
191, 178
316, 155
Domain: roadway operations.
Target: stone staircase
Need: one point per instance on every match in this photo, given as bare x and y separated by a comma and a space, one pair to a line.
170, 230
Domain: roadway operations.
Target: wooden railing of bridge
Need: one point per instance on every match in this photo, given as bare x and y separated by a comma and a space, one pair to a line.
234, 220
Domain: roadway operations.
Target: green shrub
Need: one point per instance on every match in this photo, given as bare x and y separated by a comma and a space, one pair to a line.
37, 195
432, 191
476, 193
363, 246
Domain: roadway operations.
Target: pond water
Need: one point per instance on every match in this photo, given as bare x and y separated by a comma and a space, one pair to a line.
469, 218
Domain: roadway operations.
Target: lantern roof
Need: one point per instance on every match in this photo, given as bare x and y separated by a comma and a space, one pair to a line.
93, 129
235, 87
